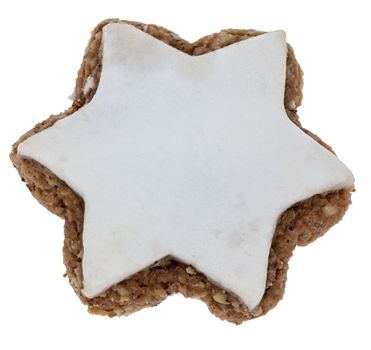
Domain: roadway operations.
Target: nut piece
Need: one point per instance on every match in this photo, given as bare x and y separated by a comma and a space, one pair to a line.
292, 105
330, 210
190, 270
221, 298
256, 311
124, 295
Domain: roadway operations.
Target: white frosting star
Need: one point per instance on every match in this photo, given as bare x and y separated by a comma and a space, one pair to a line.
187, 156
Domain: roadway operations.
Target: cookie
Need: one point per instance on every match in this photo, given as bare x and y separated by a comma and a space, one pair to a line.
183, 168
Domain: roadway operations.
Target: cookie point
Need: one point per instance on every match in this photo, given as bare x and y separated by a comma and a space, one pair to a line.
281, 34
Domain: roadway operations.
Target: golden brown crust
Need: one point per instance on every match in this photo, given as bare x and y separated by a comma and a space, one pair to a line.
299, 225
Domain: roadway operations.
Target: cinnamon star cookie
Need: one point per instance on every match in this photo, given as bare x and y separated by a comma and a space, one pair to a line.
183, 168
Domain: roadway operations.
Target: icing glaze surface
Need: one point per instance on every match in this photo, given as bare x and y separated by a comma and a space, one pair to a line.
189, 156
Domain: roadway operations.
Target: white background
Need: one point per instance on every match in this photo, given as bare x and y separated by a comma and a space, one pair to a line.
328, 296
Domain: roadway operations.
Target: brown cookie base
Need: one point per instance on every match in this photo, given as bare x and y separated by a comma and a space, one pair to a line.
299, 225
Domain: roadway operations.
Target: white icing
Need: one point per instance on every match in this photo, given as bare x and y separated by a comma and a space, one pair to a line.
192, 157
89, 85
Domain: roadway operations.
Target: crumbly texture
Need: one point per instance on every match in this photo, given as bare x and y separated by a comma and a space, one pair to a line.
299, 225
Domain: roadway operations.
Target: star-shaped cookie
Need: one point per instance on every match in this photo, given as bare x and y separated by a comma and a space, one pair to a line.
182, 159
